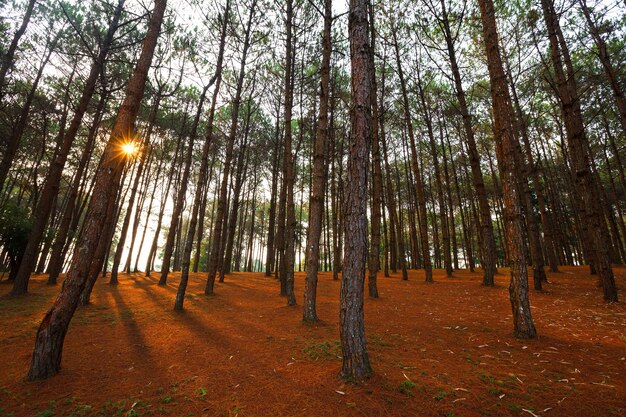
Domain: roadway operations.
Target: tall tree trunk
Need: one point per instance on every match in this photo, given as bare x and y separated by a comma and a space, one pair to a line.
316, 202
445, 235
48, 349
56, 257
506, 150
271, 230
567, 90
170, 178
419, 186
288, 165
488, 252
356, 365
180, 197
240, 174
217, 248
374, 255
51, 187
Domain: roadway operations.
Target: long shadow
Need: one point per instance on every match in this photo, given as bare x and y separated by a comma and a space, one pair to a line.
135, 335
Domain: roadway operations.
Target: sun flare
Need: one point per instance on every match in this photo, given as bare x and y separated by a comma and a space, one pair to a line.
129, 149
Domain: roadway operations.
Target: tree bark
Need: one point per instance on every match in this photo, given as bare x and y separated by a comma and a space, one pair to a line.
374, 255
577, 142
506, 150
316, 202
356, 365
48, 349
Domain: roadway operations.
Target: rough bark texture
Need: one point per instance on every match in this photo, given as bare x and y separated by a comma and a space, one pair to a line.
48, 349
316, 202
316, 205
374, 255
288, 256
356, 365
577, 143
506, 150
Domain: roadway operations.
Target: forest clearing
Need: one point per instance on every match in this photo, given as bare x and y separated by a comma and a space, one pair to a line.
439, 350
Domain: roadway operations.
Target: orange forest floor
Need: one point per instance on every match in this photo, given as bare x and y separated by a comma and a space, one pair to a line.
437, 350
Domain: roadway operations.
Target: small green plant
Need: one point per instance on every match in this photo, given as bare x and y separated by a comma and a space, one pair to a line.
440, 395
201, 392
406, 387
486, 378
166, 400
323, 350
45, 413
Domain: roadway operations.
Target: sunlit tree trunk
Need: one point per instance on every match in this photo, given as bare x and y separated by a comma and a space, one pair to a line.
48, 349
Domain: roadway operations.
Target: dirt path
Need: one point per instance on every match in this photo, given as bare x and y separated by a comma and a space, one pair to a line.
437, 350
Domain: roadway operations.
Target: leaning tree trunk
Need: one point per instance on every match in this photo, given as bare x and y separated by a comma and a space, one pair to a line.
506, 150
48, 349
356, 365
56, 257
8, 57
13, 141
577, 143
53, 180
